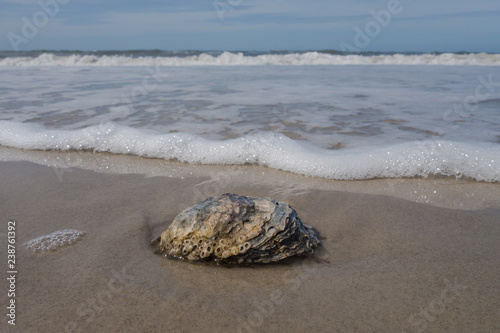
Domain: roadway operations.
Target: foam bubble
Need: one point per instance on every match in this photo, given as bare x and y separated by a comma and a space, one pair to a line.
232, 59
55, 240
480, 161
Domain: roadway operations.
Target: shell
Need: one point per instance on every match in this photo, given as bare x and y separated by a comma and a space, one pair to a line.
235, 229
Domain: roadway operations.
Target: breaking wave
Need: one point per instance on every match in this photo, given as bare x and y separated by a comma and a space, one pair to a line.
241, 59
480, 161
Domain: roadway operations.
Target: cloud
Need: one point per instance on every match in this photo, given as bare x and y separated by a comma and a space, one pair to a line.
127, 24
20, 2
442, 16
292, 18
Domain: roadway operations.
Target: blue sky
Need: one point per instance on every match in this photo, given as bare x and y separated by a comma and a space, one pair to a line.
412, 25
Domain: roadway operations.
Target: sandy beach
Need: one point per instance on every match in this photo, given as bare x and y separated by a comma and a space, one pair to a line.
414, 255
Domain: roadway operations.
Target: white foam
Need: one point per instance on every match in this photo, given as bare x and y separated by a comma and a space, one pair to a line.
55, 240
480, 161
231, 59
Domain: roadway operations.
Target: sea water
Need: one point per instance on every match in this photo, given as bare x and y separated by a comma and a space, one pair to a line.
337, 116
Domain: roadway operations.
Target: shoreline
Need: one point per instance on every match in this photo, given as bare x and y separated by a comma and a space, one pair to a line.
454, 193
396, 255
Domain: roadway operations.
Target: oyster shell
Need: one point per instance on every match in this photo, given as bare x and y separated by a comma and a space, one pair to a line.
234, 229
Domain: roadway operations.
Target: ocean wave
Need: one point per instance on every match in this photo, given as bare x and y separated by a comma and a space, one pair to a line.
239, 59
411, 159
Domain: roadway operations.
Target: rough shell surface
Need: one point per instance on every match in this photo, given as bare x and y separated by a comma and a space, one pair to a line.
237, 229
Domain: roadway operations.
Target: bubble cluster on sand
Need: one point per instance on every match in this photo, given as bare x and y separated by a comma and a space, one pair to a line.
55, 240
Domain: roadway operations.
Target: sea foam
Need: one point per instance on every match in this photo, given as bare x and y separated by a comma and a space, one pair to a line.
239, 59
55, 240
478, 161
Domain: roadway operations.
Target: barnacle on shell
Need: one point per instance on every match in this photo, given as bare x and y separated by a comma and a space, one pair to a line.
236, 229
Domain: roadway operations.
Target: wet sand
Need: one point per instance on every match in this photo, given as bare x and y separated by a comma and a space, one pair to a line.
397, 256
